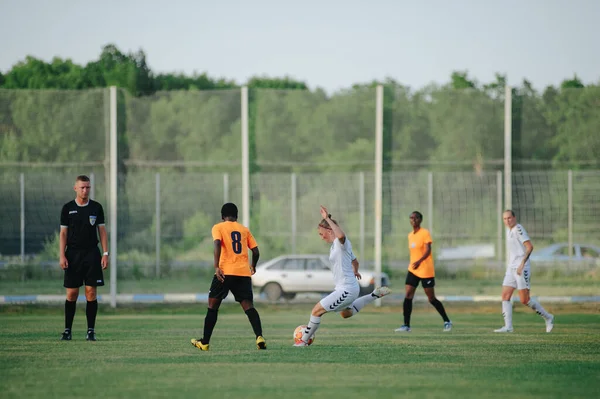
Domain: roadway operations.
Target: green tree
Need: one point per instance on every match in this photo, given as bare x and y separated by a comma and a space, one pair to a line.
573, 83
574, 116
531, 132
460, 80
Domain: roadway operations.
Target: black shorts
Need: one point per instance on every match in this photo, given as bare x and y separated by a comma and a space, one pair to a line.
426, 282
85, 267
240, 286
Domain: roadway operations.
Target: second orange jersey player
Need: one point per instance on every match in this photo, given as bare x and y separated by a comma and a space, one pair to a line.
420, 270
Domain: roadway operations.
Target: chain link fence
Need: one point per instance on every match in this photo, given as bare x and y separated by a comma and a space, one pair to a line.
180, 159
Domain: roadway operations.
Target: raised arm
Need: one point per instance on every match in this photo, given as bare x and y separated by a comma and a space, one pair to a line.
337, 230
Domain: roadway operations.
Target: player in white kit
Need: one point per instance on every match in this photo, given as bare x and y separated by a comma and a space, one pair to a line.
518, 274
344, 299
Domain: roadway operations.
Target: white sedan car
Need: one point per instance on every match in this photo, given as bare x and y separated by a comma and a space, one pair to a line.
287, 275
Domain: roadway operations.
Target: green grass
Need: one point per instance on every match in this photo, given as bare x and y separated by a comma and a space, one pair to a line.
564, 286
145, 353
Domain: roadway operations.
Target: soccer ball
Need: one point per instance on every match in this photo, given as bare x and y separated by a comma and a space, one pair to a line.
298, 335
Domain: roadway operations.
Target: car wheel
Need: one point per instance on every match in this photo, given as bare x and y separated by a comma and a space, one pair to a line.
273, 291
288, 296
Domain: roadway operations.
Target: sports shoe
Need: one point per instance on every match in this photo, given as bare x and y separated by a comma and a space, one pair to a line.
403, 328
261, 343
381, 291
198, 344
91, 335
66, 335
504, 330
550, 324
301, 343
447, 326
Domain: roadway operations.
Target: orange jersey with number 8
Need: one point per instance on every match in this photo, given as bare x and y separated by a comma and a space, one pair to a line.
235, 239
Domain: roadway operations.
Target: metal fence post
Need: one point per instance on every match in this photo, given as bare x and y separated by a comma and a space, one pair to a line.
361, 196
113, 196
507, 152
92, 186
378, 184
245, 160
225, 188
570, 211
157, 238
22, 191
499, 214
430, 201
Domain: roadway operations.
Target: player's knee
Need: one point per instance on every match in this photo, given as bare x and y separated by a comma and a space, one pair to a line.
90, 296
432, 299
346, 313
72, 295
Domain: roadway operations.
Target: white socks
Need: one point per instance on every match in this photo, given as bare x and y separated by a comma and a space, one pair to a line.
360, 303
539, 309
533, 304
311, 328
507, 313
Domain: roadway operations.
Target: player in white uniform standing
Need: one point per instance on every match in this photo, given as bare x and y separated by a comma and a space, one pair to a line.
518, 274
344, 298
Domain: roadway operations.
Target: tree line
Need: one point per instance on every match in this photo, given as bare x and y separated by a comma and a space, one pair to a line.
456, 123
56, 112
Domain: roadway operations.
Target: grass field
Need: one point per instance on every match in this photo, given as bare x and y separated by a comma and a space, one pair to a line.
543, 286
144, 352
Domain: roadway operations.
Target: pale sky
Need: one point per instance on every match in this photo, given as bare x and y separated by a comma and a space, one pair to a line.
329, 44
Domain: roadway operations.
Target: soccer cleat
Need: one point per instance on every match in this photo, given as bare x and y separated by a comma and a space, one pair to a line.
447, 326
66, 335
550, 324
403, 328
198, 344
91, 335
381, 291
261, 343
504, 330
300, 343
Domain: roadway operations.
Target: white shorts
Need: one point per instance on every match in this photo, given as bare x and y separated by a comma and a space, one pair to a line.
512, 279
340, 299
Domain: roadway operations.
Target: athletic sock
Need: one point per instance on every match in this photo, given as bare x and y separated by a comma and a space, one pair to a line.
407, 311
440, 308
361, 302
209, 324
507, 313
538, 308
254, 318
70, 308
91, 310
311, 328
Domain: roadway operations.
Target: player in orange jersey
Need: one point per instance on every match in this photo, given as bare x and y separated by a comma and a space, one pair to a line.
420, 270
233, 273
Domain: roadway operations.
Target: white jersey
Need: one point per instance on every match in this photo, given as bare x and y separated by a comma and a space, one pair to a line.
341, 256
515, 238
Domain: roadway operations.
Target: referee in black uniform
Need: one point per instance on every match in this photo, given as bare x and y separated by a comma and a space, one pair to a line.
81, 221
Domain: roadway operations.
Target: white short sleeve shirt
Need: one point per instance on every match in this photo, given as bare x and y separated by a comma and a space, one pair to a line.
516, 238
